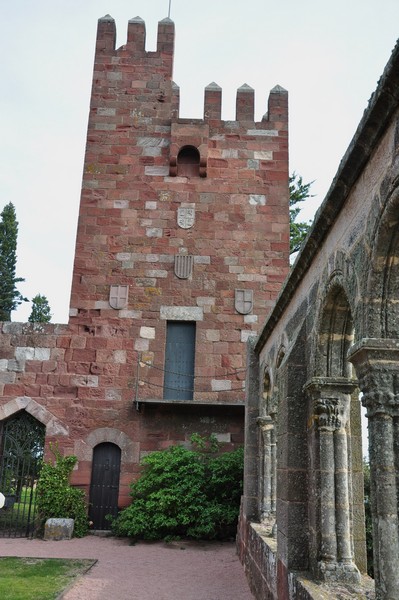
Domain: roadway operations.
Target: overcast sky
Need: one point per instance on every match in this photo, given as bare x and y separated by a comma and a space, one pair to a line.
328, 55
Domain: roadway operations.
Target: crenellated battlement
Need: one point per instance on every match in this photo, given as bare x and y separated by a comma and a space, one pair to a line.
136, 36
147, 76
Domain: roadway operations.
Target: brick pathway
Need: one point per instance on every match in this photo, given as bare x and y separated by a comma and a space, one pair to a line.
145, 571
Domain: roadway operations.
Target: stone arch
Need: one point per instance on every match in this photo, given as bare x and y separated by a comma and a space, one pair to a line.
129, 450
54, 427
375, 358
382, 314
266, 392
188, 162
280, 356
335, 330
334, 400
335, 334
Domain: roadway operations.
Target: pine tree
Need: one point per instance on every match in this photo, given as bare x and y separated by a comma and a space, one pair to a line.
299, 192
40, 310
10, 297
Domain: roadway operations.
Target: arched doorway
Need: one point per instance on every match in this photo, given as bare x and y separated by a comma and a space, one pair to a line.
104, 487
21, 450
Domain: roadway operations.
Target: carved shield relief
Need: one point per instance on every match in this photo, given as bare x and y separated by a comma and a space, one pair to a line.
243, 302
118, 296
184, 265
185, 217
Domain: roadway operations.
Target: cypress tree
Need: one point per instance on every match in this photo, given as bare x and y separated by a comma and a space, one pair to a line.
10, 297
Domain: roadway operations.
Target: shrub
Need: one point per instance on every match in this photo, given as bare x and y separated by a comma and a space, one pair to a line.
184, 493
56, 498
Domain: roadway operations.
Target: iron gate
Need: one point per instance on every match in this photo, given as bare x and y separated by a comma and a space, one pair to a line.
21, 451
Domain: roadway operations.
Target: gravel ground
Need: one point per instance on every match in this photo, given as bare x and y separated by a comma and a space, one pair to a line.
145, 571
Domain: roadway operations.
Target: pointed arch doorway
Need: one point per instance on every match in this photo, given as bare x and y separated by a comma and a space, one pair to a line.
104, 486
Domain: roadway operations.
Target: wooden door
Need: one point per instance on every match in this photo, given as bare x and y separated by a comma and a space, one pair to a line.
104, 488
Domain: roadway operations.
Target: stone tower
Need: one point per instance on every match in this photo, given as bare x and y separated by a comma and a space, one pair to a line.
182, 246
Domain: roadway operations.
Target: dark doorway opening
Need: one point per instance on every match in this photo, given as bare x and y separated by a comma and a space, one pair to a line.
104, 488
188, 162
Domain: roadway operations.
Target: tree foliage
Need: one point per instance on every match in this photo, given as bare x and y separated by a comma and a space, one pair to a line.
10, 297
56, 498
41, 312
299, 192
184, 493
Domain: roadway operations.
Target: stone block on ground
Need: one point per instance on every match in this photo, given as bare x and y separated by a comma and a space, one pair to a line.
58, 529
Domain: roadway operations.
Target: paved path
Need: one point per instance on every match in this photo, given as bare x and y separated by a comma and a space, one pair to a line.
145, 571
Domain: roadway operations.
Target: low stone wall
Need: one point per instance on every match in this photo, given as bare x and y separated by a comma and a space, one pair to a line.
258, 553
269, 580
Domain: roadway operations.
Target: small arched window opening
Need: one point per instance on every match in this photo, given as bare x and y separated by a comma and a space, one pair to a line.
280, 357
266, 395
188, 162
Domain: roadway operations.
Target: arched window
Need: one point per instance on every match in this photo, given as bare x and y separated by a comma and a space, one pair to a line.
188, 162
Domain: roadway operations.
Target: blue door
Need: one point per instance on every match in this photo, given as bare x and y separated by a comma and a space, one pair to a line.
179, 361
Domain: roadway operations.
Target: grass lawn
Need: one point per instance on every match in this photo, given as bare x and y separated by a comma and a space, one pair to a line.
38, 578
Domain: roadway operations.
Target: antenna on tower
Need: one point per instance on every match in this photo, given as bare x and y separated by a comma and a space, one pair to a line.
170, 2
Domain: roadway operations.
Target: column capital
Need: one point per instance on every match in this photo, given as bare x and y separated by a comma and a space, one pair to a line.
318, 387
265, 423
331, 398
376, 362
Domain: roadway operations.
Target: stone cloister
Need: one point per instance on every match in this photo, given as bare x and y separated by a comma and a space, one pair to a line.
331, 344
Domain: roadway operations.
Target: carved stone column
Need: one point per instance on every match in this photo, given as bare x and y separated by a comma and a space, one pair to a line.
268, 478
331, 405
377, 366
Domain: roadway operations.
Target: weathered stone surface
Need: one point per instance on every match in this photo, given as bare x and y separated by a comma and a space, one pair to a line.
332, 333
58, 529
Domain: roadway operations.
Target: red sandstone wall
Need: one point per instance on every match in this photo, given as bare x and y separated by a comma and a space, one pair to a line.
80, 380
128, 232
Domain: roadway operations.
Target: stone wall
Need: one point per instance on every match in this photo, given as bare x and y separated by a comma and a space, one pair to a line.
140, 216
180, 220
330, 342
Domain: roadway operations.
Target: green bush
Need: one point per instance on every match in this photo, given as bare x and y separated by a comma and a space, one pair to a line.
185, 493
56, 498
